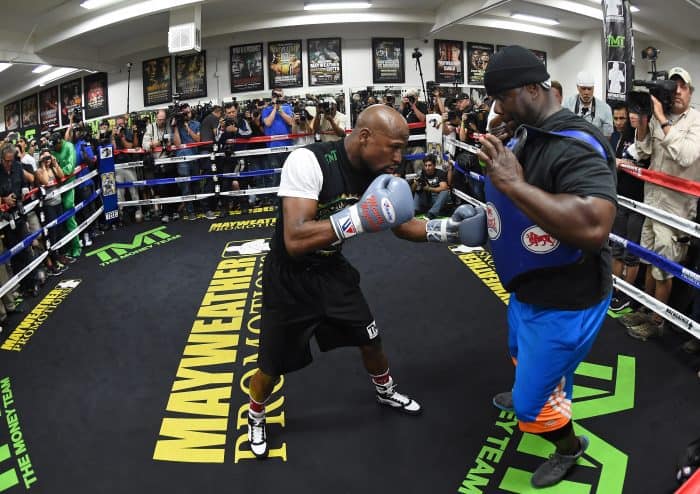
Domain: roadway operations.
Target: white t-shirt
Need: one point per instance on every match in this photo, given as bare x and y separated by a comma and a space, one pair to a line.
301, 176
27, 159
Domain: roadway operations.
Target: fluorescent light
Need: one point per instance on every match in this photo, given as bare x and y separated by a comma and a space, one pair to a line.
336, 5
41, 69
634, 9
97, 4
55, 75
5, 66
537, 20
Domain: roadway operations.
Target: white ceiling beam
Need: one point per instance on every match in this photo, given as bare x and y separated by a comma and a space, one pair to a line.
94, 22
238, 24
454, 11
80, 62
522, 27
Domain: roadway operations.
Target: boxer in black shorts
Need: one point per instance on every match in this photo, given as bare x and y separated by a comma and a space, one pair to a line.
330, 192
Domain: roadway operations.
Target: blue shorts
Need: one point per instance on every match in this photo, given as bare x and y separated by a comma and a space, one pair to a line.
547, 345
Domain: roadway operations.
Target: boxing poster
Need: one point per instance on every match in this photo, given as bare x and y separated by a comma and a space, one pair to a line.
388, 61
247, 68
191, 75
95, 100
48, 107
12, 116
71, 97
479, 56
449, 61
157, 81
325, 63
284, 64
619, 49
30, 111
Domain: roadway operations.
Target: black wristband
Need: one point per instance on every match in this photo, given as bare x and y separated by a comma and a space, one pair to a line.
667, 123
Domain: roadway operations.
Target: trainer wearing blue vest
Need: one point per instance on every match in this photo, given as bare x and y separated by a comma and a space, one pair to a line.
551, 202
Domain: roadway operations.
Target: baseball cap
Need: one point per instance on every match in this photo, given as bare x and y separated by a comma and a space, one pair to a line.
585, 79
462, 96
682, 73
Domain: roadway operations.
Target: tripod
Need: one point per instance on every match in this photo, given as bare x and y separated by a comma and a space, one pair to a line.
416, 55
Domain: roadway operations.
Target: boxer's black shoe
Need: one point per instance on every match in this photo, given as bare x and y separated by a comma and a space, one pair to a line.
388, 396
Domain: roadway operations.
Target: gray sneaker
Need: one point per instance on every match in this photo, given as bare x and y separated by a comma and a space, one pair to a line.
210, 215
555, 469
646, 330
504, 401
635, 318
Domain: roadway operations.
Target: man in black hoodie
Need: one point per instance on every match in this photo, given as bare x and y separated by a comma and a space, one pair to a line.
551, 203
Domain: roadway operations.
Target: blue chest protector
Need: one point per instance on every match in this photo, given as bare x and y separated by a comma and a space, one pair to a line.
518, 244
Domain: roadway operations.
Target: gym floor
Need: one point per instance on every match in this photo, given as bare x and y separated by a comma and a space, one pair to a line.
128, 374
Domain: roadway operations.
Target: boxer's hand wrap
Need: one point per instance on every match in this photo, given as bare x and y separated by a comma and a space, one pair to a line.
467, 225
386, 203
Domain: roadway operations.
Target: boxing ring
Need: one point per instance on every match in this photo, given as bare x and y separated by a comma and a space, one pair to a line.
129, 373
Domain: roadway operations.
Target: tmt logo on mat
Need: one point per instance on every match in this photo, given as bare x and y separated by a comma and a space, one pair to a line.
32, 322
109, 254
16, 468
614, 393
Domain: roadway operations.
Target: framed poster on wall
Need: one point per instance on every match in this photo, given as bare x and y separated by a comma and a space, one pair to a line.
96, 97
48, 107
71, 97
325, 61
191, 75
247, 68
157, 81
12, 116
388, 61
449, 61
478, 55
30, 111
284, 64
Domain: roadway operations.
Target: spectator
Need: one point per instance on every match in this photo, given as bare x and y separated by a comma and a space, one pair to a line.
673, 144
628, 223
588, 107
278, 119
558, 91
12, 178
209, 132
64, 151
186, 131
430, 189
233, 127
49, 175
124, 138
155, 140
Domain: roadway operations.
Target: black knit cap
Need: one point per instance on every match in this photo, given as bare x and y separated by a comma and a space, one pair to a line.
513, 66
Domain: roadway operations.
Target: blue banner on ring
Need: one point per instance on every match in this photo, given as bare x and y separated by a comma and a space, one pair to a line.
109, 182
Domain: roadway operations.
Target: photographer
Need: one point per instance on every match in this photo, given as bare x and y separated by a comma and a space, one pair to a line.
155, 141
278, 119
414, 112
209, 132
671, 138
124, 138
186, 131
234, 127
430, 189
12, 179
328, 122
253, 116
49, 175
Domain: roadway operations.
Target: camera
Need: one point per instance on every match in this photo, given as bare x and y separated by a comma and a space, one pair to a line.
640, 101
416, 53
412, 99
650, 53
140, 123
324, 107
77, 114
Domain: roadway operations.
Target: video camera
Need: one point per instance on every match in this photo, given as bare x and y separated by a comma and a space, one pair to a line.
139, 122
640, 101
77, 114
177, 111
